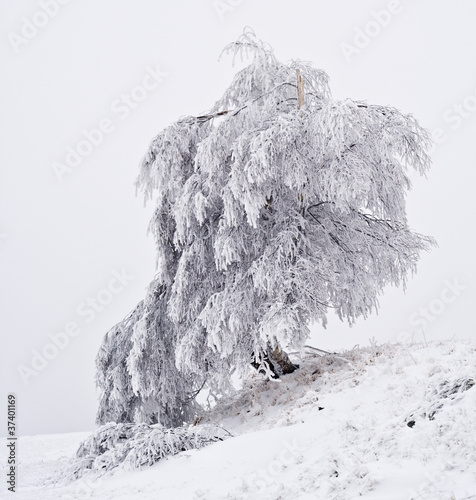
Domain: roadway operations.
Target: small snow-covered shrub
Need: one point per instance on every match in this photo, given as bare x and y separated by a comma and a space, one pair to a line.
135, 445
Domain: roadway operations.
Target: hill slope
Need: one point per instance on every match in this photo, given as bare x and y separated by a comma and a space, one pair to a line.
388, 422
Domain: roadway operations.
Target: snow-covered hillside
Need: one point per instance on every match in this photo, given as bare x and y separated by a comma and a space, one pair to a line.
388, 422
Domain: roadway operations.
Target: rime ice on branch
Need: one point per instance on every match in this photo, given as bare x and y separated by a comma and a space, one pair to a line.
276, 205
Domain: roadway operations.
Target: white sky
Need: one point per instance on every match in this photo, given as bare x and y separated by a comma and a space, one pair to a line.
61, 242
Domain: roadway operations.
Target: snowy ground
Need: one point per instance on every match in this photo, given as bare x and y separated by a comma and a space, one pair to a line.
334, 430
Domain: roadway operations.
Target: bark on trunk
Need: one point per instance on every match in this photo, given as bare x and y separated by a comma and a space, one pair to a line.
277, 360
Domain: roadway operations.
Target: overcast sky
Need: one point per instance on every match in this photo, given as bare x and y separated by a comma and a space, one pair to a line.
85, 87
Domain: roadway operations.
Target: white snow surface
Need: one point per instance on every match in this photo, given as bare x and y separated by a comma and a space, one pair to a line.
285, 447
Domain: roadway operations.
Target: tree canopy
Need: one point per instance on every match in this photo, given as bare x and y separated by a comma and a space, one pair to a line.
273, 208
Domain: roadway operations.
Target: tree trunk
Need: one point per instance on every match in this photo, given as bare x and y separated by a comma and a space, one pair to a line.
277, 360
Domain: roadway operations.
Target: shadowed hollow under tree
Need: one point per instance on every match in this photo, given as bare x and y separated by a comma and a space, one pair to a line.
276, 205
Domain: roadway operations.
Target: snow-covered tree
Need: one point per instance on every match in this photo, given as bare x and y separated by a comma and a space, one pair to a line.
278, 204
